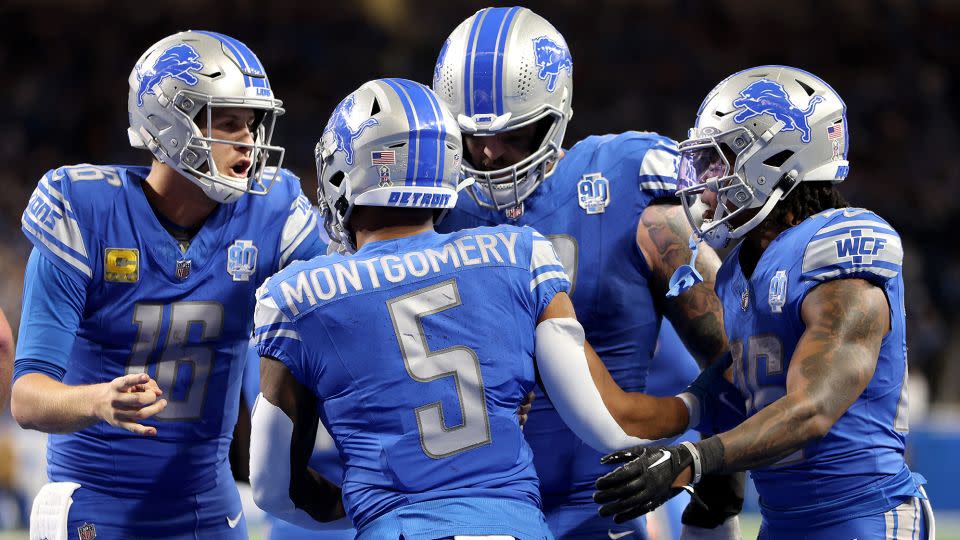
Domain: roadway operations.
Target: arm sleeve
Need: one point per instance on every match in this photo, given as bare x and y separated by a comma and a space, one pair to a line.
563, 368
52, 307
547, 277
301, 237
276, 336
270, 471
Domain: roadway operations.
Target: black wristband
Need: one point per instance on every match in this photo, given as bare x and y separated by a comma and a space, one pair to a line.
711, 454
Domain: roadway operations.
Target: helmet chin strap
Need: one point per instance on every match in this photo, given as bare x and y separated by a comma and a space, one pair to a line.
720, 234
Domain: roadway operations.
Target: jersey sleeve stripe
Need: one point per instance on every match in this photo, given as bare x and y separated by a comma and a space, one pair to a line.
543, 255
298, 227
65, 232
50, 242
55, 194
55, 205
547, 268
854, 270
547, 276
663, 186
288, 333
856, 247
267, 315
660, 161
878, 226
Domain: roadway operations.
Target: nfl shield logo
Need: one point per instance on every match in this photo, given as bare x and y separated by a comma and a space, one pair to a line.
183, 268
87, 531
593, 193
242, 260
514, 212
745, 299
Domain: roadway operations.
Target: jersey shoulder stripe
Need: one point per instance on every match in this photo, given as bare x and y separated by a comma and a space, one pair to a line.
63, 209
545, 265
660, 166
300, 224
269, 321
647, 158
852, 243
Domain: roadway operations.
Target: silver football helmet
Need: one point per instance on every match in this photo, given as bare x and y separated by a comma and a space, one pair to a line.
502, 69
174, 88
759, 133
389, 143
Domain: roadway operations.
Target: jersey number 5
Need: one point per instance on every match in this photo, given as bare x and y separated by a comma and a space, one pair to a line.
423, 365
177, 353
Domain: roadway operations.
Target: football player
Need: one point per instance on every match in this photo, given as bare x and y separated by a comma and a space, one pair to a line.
139, 296
607, 204
814, 307
415, 348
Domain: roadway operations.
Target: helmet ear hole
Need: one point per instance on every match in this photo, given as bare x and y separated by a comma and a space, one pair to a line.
337, 179
777, 160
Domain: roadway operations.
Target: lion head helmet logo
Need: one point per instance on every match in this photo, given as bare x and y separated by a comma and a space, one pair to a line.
551, 57
343, 133
177, 62
768, 97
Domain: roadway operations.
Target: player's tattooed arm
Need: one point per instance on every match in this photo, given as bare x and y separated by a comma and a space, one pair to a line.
833, 363
309, 491
663, 235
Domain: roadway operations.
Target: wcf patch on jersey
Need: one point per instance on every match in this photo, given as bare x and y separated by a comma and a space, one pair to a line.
242, 260
121, 265
593, 193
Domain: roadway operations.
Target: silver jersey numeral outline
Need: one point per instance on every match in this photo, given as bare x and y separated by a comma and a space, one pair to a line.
423, 365
765, 349
177, 351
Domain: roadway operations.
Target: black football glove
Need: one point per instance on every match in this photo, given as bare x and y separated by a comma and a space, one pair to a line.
644, 483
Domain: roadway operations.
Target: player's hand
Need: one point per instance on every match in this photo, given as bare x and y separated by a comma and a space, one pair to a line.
127, 400
650, 477
524, 410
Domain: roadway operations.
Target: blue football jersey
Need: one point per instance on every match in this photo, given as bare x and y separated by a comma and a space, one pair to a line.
420, 350
589, 208
858, 468
184, 318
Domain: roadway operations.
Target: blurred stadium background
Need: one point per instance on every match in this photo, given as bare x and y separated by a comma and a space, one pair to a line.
641, 65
